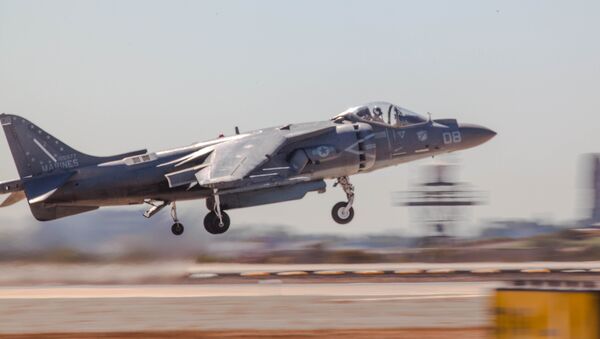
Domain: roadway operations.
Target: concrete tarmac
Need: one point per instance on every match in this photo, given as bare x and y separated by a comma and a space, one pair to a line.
267, 305
168, 272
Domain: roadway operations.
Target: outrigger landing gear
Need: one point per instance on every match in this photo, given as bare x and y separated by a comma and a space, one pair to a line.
177, 227
343, 212
157, 205
216, 221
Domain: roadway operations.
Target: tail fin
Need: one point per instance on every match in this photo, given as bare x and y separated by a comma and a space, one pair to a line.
36, 152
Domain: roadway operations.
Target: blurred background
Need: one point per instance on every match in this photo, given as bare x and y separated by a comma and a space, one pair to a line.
109, 77
113, 76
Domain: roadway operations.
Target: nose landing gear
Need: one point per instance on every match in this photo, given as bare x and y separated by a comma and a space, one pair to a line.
343, 212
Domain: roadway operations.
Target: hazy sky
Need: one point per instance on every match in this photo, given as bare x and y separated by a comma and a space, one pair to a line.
112, 76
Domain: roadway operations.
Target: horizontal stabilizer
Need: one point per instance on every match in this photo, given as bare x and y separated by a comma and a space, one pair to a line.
44, 213
10, 186
13, 198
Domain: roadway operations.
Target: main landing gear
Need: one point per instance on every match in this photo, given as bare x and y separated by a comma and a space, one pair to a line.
343, 212
216, 221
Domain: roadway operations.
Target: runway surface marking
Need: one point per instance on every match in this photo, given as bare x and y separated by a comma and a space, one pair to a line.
420, 297
237, 268
414, 290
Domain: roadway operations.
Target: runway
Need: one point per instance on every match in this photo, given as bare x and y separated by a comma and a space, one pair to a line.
265, 306
183, 296
170, 272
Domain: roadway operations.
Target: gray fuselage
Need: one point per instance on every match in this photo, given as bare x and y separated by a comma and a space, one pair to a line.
349, 148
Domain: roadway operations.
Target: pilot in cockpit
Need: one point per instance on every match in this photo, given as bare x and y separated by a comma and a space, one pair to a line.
377, 114
396, 115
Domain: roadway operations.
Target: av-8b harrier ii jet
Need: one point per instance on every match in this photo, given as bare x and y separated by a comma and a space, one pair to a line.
260, 167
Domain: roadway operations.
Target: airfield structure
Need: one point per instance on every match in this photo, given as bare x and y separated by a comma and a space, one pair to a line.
595, 185
440, 199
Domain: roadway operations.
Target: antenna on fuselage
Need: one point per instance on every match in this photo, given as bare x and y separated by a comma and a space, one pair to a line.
237, 130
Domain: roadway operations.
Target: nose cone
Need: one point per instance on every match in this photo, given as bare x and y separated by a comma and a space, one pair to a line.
474, 135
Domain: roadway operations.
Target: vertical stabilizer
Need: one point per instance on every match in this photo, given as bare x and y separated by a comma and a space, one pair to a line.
37, 152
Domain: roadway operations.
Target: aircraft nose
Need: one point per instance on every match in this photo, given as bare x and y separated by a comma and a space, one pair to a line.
474, 135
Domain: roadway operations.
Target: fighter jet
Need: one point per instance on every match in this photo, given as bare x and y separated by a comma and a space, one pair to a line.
265, 166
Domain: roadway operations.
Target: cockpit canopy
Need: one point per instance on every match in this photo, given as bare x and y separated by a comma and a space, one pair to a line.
381, 112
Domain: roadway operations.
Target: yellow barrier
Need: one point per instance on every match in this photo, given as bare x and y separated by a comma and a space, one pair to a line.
533, 313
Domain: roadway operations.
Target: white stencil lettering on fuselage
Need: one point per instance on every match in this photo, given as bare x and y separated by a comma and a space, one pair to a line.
66, 161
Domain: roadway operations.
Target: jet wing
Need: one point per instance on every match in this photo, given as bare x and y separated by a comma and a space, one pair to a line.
233, 161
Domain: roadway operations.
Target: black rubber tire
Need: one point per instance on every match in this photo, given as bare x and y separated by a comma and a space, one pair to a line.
211, 223
336, 215
177, 228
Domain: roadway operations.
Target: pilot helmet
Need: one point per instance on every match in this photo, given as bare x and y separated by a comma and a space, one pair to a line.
377, 111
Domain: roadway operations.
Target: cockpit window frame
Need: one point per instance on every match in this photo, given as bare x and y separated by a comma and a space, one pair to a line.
355, 114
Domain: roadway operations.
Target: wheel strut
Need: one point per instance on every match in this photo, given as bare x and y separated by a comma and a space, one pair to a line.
174, 212
348, 189
217, 207
177, 227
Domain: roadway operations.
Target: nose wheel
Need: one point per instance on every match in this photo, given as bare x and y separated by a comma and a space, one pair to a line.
343, 212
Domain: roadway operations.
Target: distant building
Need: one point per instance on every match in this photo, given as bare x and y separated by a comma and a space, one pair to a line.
595, 185
516, 229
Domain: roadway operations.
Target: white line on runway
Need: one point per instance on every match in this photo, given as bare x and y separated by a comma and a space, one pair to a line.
384, 290
420, 297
